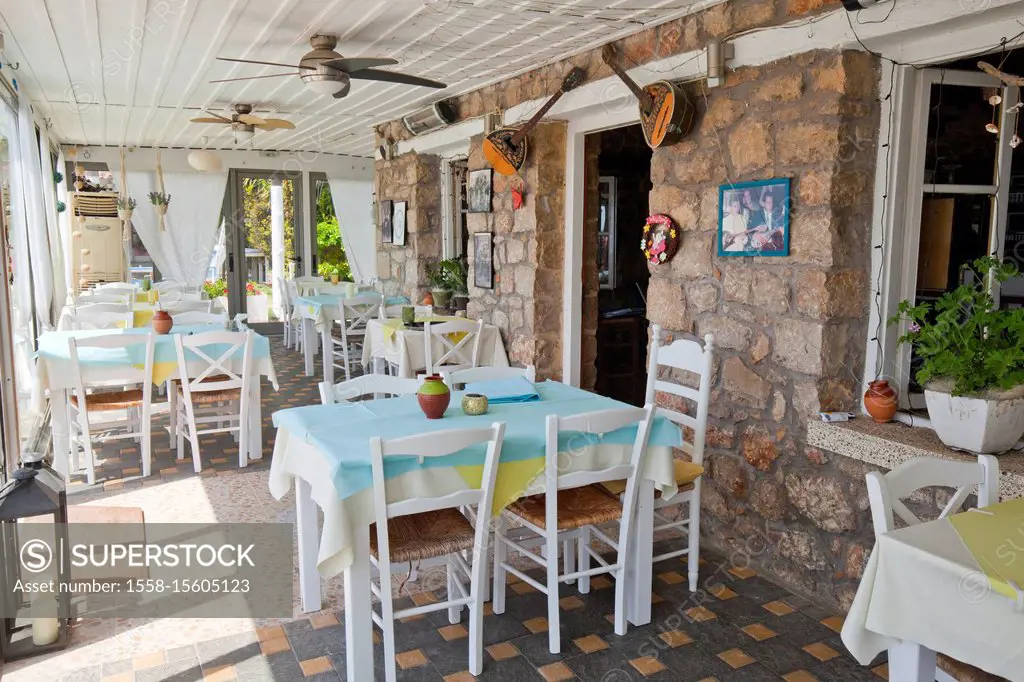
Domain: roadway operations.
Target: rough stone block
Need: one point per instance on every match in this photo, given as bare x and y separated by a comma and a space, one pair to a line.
758, 449
750, 146
745, 385
785, 88
806, 143
799, 344
822, 501
728, 332
666, 305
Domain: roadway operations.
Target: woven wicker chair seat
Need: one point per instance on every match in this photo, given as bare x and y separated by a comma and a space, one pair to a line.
423, 536
686, 474
212, 377
963, 672
210, 397
110, 400
590, 505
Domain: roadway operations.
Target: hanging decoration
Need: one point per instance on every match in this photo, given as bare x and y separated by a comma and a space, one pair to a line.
161, 200
996, 99
518, 192
661, 239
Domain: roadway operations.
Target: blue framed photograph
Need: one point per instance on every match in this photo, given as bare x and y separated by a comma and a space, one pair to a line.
753, 218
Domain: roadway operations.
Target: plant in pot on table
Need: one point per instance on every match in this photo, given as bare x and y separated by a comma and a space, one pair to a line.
972, 361
444, 278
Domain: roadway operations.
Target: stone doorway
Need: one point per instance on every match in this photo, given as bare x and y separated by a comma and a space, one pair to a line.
615, 277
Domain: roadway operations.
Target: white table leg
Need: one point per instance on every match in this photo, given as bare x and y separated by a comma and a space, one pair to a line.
59, 428
909, 662
308, 330
328, 359
306, 522
256, 420
640, 568
358, 602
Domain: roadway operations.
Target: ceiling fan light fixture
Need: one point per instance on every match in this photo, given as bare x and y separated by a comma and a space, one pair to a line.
204, 161
324, 87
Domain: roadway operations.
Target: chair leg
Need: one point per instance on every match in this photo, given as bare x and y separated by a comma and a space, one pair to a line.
388, 631
693, 539
454, 612
569, 556
554, 629
498, 582
193, 437
172, 416
147, 447
583, 559
243, 440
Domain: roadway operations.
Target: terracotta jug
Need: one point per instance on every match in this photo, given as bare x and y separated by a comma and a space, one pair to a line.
434, 396
880, 400
162, 322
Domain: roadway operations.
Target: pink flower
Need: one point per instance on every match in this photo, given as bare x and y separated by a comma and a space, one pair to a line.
913, 327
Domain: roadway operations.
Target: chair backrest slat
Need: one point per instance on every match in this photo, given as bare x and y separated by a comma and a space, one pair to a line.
886, 490
459, 339
368, 384
218, 354
91, 319
199, 318
186, 306
129, 372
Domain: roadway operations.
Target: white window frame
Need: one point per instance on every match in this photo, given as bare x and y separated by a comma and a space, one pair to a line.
896, 264
451, 242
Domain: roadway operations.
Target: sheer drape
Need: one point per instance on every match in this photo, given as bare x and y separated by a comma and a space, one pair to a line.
64, 228
59, 276
353, 204
183, 251
33, 192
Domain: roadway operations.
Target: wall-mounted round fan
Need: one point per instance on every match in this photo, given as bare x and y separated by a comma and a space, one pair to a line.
328, 73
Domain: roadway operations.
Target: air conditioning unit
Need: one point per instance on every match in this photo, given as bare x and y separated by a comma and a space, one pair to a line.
437, 115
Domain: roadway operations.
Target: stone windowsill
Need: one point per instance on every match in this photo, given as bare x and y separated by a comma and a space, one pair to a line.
892, 444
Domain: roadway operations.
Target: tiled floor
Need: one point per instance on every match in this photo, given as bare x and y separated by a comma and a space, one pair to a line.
739, 627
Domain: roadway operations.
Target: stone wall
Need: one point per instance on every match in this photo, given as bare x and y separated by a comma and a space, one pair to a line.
526, 301
790, 331
415, 179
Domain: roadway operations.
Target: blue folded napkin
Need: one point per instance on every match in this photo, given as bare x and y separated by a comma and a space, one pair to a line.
505, 391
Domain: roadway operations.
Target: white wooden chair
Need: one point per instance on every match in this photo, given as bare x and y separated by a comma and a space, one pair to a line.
287, 308
689, 356
88, 307
195, 317
355, 313
885, 492
188, 306
90, 318
122, 298
424, 528
572, 507
113, 287
377, 385
217, 394
135, 402
461, 377
459, 345
294, 335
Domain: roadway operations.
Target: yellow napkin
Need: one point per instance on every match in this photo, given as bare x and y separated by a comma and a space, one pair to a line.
143, 317
995, 537
151, 296
392, 326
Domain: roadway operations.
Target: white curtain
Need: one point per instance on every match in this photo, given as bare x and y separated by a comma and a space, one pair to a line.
353, 204
33, 191
60, 276
64, 227
183, 251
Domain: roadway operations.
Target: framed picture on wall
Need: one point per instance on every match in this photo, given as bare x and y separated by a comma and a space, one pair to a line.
386, 225
398, 224
754, 218
483, 260
479, 191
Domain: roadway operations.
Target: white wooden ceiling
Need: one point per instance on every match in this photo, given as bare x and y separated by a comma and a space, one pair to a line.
133, 72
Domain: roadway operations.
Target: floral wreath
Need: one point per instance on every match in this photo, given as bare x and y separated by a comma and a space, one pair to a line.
660, 240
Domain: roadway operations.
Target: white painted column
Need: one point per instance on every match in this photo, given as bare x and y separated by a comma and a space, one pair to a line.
276, 239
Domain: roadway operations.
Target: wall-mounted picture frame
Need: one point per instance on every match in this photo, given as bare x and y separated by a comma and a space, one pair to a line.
398, 224
754, 218
386, 225
483, 260
478, 190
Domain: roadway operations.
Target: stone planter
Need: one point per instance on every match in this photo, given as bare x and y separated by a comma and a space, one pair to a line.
976, 424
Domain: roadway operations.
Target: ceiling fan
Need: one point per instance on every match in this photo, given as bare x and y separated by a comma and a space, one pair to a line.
326, 72
243, 123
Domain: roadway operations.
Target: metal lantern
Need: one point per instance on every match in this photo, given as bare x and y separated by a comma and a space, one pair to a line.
34, 621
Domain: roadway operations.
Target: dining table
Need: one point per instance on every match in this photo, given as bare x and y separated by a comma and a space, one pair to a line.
952, 585
317, 314
404, 347
323, 452
102, 366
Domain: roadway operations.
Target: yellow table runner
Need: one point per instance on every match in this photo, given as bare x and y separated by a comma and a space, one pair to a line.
995, 537
143, 317
151, 296
392, 326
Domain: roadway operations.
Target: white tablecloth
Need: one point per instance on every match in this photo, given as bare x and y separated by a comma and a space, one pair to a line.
405, 348
922, 585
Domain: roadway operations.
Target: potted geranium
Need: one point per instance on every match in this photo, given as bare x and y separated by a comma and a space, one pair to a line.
439, 278
972, 361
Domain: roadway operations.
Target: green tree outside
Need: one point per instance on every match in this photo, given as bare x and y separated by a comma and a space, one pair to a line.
331, 258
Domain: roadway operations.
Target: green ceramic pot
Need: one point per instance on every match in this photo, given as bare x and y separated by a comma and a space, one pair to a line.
474, 404
434, 397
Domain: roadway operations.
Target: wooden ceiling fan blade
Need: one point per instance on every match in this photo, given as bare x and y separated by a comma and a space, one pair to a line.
257, 61
276, 124
223, 119
207, 119
251, 78
250, 120
350, 64
395, 77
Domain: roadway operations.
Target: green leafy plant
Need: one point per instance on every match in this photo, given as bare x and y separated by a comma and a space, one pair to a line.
448, 275
214, 288
964, 339
61, 207
126, 203
58, 177
159, 198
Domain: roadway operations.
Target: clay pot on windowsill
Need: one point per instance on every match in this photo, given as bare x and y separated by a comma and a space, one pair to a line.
162, 322
880, 400
434, 397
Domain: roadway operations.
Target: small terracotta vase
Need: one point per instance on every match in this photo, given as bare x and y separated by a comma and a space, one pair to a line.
428, 298
162, 322
434, 397
881, 401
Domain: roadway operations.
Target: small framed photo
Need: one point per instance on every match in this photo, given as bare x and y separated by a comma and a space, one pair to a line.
754, 218
386, 225
398, 224
483, 260
478, 191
